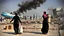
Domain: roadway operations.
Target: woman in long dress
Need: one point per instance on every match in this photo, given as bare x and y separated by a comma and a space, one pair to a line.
16, 23
45, 25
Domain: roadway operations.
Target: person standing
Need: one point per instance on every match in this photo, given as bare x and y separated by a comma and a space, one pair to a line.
45, 26
30, 17
1, 19
16, 23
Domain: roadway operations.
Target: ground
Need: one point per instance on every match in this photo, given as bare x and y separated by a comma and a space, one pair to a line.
53, 31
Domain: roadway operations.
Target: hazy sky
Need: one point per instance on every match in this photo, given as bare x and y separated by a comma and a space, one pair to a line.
12, 5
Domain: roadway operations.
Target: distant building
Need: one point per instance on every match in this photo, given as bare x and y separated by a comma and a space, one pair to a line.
57, 12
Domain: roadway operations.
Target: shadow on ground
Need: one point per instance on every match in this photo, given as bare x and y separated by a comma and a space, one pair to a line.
24, 32
33, 32
9, 33
36, 32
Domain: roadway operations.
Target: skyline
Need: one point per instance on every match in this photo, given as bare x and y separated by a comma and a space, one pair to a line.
11, 7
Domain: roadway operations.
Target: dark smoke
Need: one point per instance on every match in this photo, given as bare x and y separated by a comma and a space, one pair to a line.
28, 5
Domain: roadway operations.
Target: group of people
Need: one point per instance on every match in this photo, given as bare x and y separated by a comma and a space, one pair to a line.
45, 26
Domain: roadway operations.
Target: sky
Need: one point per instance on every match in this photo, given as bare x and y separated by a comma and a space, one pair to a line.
12, 5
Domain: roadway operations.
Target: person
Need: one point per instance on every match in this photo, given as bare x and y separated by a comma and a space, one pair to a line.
45, 26
1, 19
30, 17
16, 23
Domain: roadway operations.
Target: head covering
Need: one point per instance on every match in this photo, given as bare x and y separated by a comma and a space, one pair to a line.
44, 12
16, 14
45, 15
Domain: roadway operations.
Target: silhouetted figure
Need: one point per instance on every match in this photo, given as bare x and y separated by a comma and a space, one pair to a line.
16, 23
25, 17
45, 23
1, 19
30, 17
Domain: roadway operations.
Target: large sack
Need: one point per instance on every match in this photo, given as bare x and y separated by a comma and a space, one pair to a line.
20, 29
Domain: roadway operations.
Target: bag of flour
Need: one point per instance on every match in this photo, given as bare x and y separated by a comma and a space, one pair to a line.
20, 29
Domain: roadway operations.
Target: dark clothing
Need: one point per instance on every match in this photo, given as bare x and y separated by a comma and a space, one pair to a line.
16, 19
16, 24
45, 25
1, 19
16, 28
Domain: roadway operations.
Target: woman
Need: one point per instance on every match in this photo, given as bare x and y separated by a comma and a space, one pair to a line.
45, 23
16, 23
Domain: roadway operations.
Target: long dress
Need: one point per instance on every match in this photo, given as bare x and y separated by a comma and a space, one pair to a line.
16, 24
45, 26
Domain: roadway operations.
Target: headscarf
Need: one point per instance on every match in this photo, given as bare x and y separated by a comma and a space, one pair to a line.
45, 15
